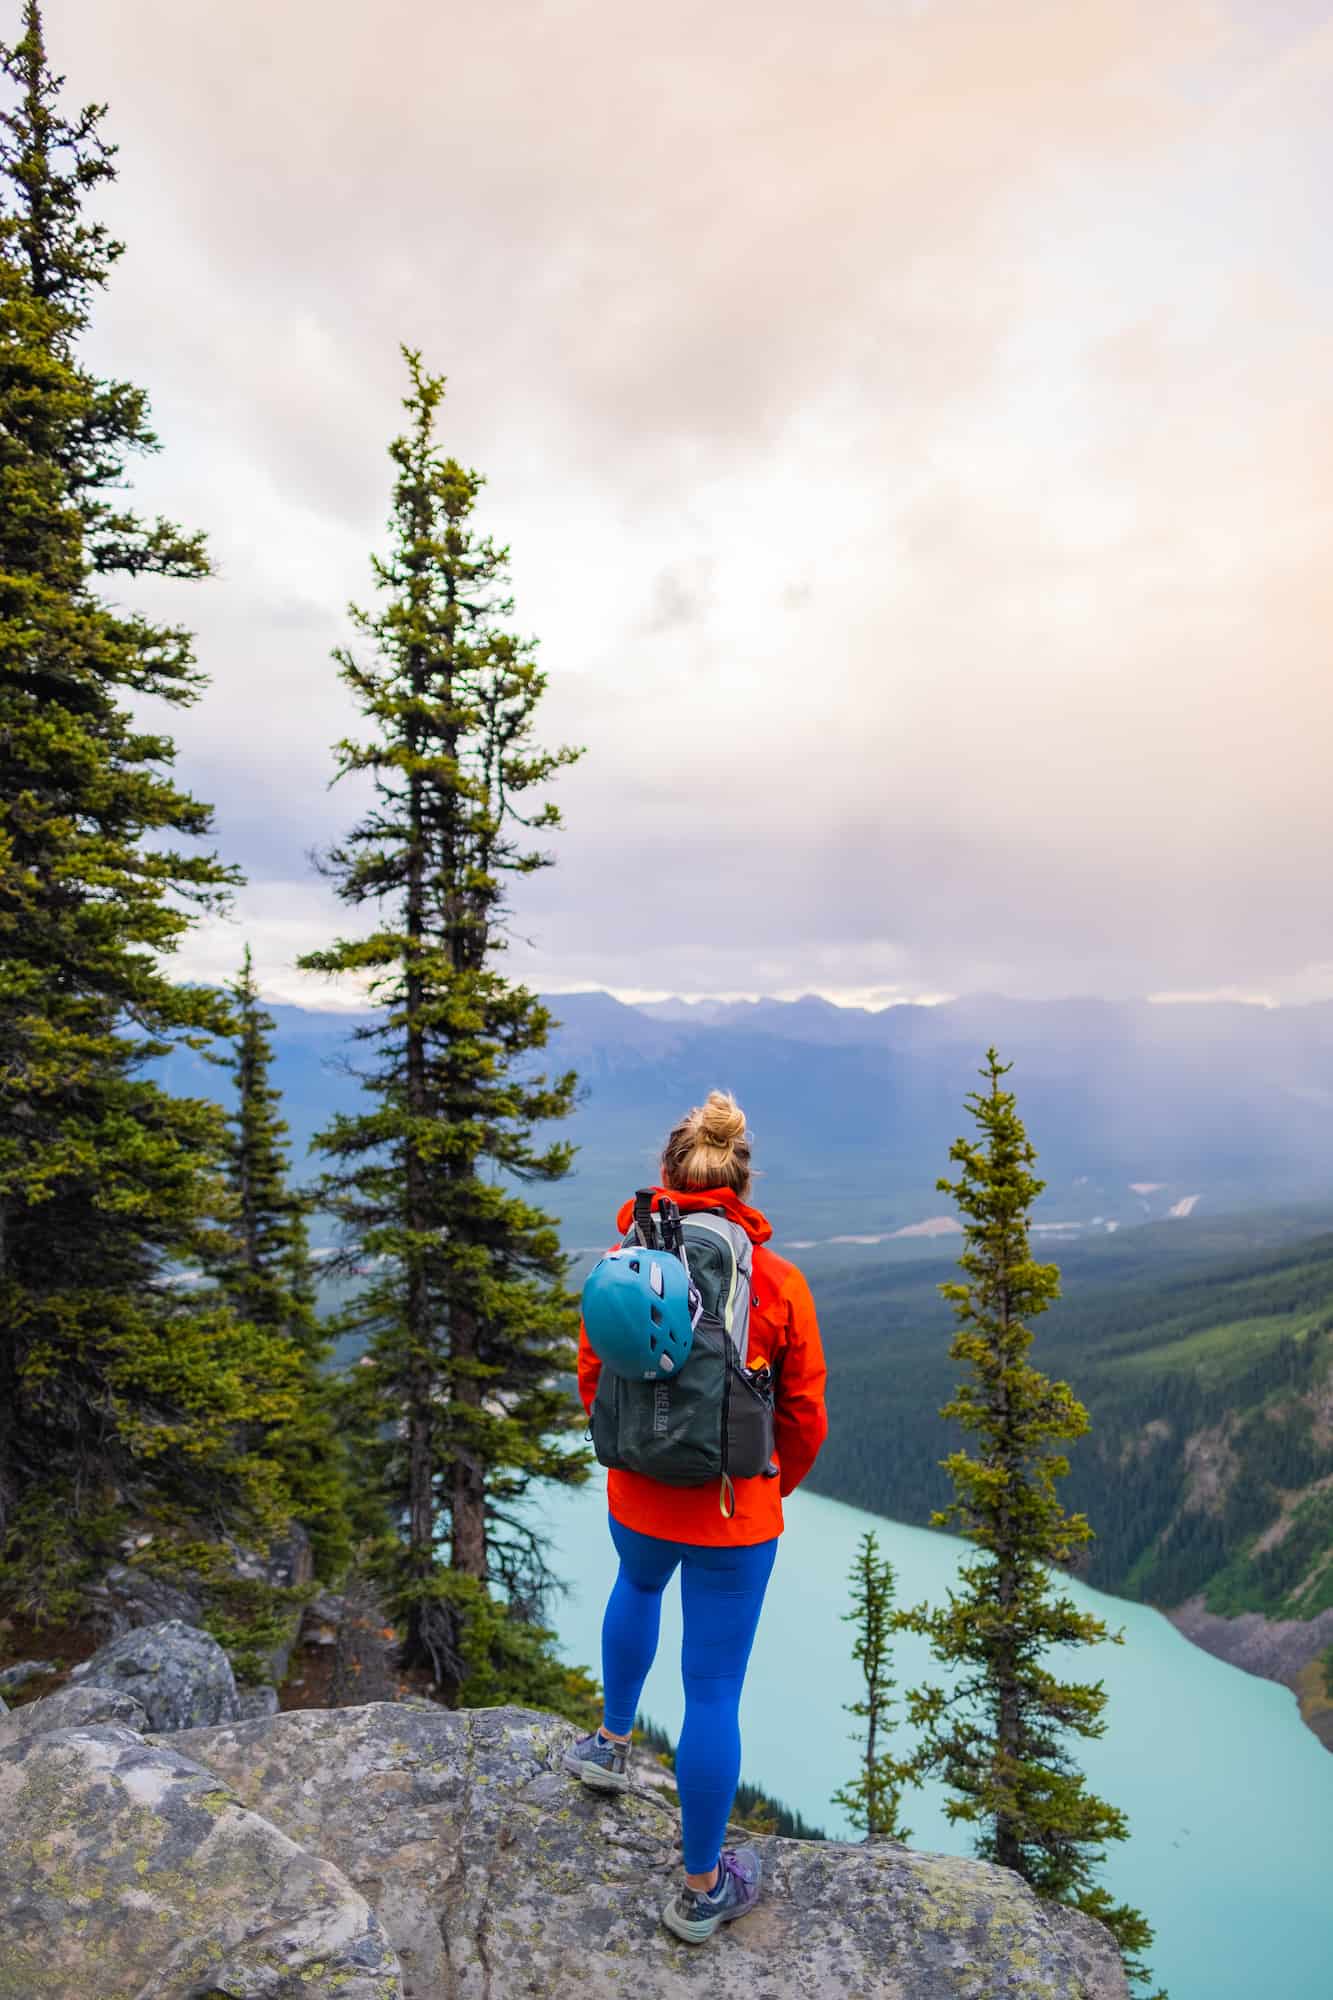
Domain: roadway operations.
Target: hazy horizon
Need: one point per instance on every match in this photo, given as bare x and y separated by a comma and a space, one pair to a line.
319, 999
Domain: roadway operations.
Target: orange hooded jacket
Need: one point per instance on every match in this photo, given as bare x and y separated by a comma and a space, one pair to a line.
784, 1333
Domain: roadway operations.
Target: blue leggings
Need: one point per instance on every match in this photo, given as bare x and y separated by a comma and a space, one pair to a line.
721, 1594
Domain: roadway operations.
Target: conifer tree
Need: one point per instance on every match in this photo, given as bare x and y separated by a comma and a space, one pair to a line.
998, 1735
266, 1272
468, 1322
872, 1799
120, 1391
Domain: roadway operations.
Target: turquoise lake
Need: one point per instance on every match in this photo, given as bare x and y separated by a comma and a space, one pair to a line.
1229, 1796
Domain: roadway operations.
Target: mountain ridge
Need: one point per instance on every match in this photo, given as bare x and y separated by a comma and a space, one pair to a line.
854, 1112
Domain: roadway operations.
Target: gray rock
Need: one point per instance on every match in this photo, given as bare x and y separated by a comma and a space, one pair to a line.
363, 1659
274, 1663
291, 1561
286, 1562
257, 1701
72, 1708
130, 1594
496, 1875
1086, 1942
286, 1565
127, 1597
179, 1675
321, 1619
126, 1870
23, 1671
1274, 1648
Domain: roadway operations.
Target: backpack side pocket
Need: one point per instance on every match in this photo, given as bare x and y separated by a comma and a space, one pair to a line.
605, 1419
750, 1438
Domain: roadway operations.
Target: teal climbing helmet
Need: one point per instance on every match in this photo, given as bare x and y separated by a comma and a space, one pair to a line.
640, 1312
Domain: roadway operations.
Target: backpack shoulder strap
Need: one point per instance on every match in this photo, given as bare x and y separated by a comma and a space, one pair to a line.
738, 1251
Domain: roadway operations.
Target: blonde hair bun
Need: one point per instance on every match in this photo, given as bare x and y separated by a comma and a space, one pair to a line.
721, 1120
710, 1148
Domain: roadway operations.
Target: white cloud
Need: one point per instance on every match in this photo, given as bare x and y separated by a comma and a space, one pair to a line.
911, 425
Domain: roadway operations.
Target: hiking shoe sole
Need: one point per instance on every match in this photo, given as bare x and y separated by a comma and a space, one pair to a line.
698, 1929
596, 1777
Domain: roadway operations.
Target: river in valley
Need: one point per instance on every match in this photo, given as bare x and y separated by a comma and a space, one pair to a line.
1229, 1796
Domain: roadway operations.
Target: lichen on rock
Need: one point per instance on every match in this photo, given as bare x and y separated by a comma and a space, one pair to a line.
497, 1875
78, 1707
128, 1870
180, 1676
398, 1851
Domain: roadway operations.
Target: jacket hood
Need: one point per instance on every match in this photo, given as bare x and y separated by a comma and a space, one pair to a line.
756, 1226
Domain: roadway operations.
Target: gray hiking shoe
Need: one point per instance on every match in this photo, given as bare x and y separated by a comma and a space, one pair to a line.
694, 1914
599, 1762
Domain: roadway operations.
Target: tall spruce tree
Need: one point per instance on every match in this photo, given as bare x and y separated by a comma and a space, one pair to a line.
998, 1735
120, 1392
872, 1799
468, 1322
265, 1270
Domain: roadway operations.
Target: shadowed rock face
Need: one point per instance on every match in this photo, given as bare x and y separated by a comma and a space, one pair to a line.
17, 1676
495, 1875
180, 1676
127, 1597
127, 1871
71, 1708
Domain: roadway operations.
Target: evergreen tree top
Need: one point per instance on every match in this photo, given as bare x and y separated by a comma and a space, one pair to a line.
450, 693
54, 162
61, 419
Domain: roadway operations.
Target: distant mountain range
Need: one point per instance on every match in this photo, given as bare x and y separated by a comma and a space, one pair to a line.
1136, 1109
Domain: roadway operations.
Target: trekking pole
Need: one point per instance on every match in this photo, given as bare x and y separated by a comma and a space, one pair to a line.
673, 1239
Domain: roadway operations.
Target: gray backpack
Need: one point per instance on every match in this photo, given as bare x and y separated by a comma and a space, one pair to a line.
714, 1419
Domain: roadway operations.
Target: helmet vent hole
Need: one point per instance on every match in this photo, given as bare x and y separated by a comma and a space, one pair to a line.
656, 1315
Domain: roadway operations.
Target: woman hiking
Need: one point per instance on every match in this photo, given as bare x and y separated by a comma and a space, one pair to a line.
704, 1382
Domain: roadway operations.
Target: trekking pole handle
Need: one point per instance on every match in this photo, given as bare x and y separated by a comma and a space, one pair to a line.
643, 1216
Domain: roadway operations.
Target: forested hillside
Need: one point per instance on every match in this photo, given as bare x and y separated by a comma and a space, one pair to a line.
1207, 1366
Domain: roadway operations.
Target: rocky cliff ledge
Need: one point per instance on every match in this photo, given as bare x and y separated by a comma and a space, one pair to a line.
1286, 1650
403, 1850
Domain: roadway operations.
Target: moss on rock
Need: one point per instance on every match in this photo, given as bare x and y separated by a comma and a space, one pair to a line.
496, 1875
125, 1868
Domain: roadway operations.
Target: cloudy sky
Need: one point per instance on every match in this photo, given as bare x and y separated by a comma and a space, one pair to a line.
912, 423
